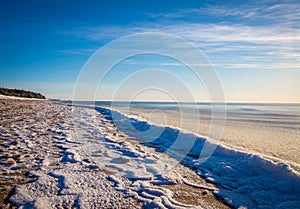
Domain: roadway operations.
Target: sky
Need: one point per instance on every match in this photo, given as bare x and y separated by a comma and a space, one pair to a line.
254, 46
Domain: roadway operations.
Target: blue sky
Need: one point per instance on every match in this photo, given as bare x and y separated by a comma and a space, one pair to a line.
253, 45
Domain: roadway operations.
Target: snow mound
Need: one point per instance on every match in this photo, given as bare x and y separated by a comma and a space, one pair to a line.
243, 179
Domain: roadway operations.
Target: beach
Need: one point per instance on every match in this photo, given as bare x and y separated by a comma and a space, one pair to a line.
268, 130
154, 105
63, 155
245, 174
46, 163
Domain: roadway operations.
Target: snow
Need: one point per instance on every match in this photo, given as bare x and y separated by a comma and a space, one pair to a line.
83, 161
19, 98
101, 157
243, 179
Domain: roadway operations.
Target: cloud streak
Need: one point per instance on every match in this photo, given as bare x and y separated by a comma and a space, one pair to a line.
278, 11
273, 41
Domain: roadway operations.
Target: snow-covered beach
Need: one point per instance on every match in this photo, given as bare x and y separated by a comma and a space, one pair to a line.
45, 163
150, 104
269, 130
244, 178
55, 155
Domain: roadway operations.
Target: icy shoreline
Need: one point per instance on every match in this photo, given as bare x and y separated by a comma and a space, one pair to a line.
243, 179
52, 157
268, 130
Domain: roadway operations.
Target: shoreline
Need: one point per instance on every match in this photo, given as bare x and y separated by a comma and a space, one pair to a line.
40, 150
248, 137
227, 166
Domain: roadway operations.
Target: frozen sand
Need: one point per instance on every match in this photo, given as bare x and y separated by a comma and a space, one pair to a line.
54, 166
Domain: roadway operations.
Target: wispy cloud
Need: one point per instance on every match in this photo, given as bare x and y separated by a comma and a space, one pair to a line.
273, 41
259, 65
278, 11
245, 43
198, 32
234, 33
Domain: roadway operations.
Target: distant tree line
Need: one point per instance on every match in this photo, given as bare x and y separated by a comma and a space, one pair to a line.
21, 93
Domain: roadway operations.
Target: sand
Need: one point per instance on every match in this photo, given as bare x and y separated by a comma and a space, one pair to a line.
51, 157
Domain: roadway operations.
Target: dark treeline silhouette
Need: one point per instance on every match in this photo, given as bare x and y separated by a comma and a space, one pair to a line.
21, 93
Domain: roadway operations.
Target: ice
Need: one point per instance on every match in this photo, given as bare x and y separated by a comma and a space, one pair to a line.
243, 179
91, 160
